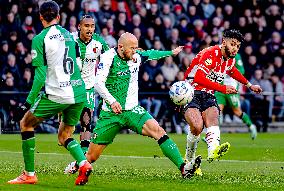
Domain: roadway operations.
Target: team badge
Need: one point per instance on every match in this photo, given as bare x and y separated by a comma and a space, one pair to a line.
100, 65
95, 50
208, 62
134, 60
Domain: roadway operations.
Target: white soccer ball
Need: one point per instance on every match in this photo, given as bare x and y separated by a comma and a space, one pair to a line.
181, 93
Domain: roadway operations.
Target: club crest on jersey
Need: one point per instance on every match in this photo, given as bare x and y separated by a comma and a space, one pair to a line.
95, 49
134, 60
208, 62
100, 65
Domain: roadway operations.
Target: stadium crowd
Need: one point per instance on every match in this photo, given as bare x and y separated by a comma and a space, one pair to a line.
161, 25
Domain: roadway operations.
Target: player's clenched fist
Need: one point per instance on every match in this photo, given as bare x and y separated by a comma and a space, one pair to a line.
256, 89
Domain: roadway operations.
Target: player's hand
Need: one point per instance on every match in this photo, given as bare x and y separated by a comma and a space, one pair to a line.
21, 111
116, 107
231, 90
177, 50
256, 89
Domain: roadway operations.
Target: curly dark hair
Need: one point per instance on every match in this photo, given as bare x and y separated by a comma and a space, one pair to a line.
234, 33
49, 10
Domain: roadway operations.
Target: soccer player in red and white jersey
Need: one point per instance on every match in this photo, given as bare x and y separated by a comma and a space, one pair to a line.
207, 70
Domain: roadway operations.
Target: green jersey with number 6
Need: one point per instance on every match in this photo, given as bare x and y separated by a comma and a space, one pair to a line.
117, 79
55, 48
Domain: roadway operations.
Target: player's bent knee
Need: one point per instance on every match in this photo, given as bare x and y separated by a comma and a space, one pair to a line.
152, 129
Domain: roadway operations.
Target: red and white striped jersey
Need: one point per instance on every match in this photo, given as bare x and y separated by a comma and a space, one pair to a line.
211, 62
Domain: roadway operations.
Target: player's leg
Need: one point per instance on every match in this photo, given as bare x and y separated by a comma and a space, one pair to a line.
192, 115
210, 117
140, 121
234, 101
42, 109
85, 131
70, 117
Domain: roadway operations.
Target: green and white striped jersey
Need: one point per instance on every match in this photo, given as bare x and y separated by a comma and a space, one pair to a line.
55, 48
89, 53
117, 79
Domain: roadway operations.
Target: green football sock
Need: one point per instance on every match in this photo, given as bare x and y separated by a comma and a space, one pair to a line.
170, 150
75, 150
28, 147
246, 119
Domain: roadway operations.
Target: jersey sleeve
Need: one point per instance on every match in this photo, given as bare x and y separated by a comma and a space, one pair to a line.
101, 77
153, 55
38, 83
206, 62
38, 52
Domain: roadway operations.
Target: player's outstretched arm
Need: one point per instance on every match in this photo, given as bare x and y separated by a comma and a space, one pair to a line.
158, 54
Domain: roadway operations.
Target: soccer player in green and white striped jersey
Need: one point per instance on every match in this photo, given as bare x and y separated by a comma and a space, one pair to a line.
54, 58
117, 83
91, 45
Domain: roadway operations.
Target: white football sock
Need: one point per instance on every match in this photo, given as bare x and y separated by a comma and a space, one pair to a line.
31, 173
191, 146
212, 138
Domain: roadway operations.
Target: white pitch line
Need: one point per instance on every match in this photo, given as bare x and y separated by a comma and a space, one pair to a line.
141, 157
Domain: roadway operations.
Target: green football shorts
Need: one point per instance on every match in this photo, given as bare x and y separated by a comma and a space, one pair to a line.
45, 108
232, 100
109, 124
90, 103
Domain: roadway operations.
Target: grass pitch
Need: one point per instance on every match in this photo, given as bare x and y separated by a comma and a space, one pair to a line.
134, 162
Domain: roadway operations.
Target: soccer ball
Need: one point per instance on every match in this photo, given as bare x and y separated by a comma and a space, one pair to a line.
181, 93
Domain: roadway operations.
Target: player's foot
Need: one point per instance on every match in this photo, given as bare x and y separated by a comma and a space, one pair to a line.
24, 179
253, 131
218, 152
84, 173
198, 172
189, 168
71, 168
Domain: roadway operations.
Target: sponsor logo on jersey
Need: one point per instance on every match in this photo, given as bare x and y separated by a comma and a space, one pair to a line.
89, 60
34, 54
100, 65
216, 76
123, 73
208, 62
70, 83
56, 36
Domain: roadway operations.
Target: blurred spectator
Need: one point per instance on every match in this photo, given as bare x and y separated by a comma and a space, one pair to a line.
167, 13
28, 25
27, 80
152, 68
148, 41
169, 70
278, 98
4, 52
262, 103
278, 66
208, 8
105, 12
11, 68
148, 100
110, 40
186, 53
